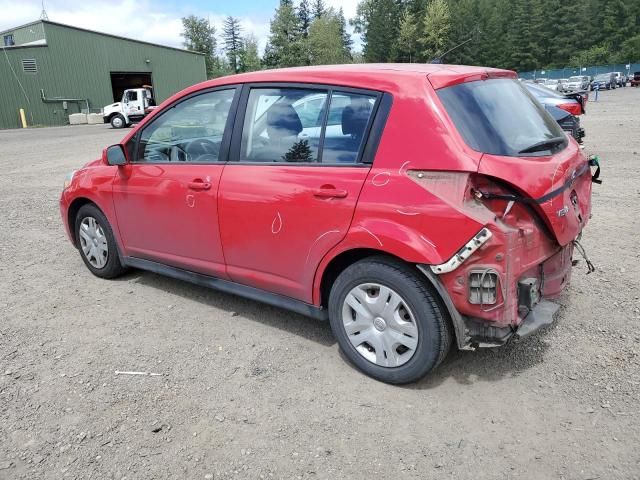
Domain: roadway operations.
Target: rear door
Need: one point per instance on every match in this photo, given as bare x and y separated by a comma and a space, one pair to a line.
289, 192
166, 197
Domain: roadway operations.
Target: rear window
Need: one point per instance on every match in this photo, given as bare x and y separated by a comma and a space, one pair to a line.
501, 117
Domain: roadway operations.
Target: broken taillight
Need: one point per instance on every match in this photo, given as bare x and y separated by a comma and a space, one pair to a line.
572, 108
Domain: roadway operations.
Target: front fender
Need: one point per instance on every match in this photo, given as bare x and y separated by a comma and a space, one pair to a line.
97, 189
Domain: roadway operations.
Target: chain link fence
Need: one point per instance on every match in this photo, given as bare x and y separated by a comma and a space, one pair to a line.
557, 73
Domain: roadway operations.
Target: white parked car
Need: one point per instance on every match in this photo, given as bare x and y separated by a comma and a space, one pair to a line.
552, 84
577, 83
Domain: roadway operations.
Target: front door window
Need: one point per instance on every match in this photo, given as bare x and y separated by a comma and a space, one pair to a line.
189, 132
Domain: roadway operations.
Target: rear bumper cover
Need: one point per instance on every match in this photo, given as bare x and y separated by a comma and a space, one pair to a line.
482, 334
543, 314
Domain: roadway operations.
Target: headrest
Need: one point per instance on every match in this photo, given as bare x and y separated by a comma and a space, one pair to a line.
355, 118
283, 121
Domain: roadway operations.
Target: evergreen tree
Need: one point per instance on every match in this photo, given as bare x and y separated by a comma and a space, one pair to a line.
299, 152
318, 8
249, 57
304, 18
378, 22
467, 21
520, 34
347, 42
231, 31
284, 48
200, 36
520, 37
617, 23
437, 25
406, 45
326, 42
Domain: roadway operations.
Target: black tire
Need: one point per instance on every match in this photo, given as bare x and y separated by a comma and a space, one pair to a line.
118, 121
112, 268
433, 324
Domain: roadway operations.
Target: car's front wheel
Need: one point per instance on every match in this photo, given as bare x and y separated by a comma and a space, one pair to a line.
96, 243
388, 321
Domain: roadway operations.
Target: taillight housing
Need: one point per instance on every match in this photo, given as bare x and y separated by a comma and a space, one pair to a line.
572, 108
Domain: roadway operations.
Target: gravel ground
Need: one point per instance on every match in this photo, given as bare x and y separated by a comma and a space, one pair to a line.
249, 391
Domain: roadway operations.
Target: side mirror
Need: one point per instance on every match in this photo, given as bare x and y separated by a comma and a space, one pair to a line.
115, 155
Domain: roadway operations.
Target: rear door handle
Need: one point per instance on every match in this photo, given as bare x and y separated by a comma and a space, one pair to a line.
330, 193
199, 185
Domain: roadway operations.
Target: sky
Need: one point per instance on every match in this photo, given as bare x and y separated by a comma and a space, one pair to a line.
153, 21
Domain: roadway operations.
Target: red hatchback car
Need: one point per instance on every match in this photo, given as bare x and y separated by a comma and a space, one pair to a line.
411, 205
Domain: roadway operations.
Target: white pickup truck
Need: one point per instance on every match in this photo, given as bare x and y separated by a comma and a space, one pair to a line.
135, 104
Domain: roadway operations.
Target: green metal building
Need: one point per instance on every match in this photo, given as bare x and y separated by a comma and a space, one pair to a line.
52, 70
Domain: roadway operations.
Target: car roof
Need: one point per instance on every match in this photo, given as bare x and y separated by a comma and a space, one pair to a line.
382, 76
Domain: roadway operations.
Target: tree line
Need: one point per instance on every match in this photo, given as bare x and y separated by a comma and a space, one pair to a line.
517, 34
306, 33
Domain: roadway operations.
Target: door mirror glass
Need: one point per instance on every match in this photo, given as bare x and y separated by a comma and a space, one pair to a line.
115, 155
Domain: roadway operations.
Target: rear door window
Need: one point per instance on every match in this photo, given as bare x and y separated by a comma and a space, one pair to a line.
349, 116
501, 117
283, 125
305, 125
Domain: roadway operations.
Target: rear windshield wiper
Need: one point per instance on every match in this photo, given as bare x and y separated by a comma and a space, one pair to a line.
544, 145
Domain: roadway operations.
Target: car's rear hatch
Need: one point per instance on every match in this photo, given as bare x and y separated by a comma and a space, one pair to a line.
524, 147
558, 187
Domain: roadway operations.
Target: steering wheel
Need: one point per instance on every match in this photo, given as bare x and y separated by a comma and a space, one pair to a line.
202, 150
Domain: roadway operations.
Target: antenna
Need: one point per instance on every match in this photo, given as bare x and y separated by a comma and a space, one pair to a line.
43, 14
440, 58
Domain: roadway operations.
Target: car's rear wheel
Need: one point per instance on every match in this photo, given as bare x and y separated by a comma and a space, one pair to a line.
388, 321
96, 243
118, 121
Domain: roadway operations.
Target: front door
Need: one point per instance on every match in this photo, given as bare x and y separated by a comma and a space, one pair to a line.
166, 197
133, 103
289, 192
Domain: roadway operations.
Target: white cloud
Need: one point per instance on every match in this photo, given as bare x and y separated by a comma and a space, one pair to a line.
139, 19
348, 6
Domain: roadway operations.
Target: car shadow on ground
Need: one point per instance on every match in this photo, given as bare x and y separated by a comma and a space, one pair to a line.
465, 367
291, 322
490, 364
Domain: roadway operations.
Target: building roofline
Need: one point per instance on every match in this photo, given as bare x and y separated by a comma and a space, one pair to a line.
64, 25
20, 47
20, 26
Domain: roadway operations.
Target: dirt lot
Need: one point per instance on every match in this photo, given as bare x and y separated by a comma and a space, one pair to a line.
250, 391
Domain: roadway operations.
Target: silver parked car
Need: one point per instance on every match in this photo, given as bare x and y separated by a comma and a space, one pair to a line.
577, 83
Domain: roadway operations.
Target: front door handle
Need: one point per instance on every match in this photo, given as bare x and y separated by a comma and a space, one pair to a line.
199, 185
331, 192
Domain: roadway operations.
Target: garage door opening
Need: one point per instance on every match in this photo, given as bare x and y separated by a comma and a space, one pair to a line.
121, 81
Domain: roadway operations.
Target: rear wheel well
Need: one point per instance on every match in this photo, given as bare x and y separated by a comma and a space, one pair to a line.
342, 261
72, 212
338, 264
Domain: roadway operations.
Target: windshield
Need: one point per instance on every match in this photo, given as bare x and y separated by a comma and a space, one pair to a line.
602, 77
575, 79
501, 117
